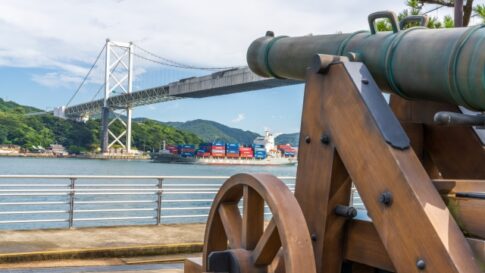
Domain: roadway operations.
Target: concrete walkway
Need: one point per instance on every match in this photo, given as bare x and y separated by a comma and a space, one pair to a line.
102, 242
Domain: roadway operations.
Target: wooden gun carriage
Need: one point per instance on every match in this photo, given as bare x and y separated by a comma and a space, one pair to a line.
417, 161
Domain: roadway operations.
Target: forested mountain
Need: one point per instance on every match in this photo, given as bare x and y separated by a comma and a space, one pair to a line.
43, 130
292, 139
210, 130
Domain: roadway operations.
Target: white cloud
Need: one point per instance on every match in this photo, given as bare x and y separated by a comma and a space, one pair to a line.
54, 79
66, 35
240, 117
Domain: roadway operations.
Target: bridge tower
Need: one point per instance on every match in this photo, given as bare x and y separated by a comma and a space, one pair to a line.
118, 80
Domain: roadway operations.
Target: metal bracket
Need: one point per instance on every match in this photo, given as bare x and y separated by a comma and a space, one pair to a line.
387, 122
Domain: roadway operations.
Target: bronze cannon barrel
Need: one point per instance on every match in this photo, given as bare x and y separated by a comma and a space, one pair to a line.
445, 65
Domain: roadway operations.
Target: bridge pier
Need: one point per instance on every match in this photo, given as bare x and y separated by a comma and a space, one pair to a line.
104, 130
128, 130
118, 55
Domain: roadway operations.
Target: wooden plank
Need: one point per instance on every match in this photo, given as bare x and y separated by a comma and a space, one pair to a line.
478, 248
232, 222
320, 175
469, 213
253, 218
376, 167
444, 144
449, 186
364, 246
268, 246
193, 265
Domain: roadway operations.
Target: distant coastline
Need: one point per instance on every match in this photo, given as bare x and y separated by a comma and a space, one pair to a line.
84, 156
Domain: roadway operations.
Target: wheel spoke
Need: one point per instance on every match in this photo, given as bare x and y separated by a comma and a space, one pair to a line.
232, 222
253, 218
268, 246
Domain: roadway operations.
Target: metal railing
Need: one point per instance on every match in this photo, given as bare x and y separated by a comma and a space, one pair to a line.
67, 201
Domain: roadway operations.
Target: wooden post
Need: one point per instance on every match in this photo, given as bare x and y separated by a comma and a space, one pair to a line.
322, 181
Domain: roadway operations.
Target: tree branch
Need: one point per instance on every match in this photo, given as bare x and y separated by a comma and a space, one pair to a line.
449, 3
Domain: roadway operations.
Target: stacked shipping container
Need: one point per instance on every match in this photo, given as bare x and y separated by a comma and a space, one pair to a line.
218, 149
186, 150
287, 150
204, 150
246, 152
259, 151
232, 150
229, 150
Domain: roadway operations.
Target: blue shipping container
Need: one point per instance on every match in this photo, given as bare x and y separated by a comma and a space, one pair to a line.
218, 143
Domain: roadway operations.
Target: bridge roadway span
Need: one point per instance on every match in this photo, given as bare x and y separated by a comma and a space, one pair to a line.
218, 83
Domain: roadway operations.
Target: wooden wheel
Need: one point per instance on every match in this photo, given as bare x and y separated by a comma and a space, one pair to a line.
241, 244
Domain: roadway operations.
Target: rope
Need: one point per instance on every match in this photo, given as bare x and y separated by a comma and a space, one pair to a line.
86, 77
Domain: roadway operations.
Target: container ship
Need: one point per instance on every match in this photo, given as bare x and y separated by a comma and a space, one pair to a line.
262, 151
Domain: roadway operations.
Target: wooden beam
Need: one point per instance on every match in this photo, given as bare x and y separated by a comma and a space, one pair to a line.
443, 144
450, 186
364, 246
376, 168
322, 182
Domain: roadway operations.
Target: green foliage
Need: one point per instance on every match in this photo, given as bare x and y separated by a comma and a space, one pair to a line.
43, 130
448, 22
414, 7
383, 25
291, 139
210, 131
148, 135
480, 11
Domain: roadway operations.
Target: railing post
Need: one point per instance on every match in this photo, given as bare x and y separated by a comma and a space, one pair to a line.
159, 201
71, 202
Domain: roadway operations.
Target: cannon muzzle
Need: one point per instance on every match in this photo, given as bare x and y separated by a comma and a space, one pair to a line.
446, 65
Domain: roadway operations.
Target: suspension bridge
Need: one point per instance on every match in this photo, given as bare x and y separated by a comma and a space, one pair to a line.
118, 87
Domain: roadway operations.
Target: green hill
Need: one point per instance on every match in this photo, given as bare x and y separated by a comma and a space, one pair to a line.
9, 106
292, 139
28, 131
209, 131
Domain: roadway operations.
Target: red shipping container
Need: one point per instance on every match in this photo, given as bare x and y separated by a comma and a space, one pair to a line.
218, 148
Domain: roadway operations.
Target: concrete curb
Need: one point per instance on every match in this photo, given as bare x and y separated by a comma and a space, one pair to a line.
92, 253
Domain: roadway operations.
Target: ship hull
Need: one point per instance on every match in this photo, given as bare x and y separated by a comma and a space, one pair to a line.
269, 161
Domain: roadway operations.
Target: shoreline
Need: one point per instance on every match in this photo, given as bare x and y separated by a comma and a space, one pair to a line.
90, 156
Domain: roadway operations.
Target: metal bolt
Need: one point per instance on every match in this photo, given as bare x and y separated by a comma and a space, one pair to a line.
308, 139
314, 237
345, 211
421, 264
386, 198
325, 139
365, 81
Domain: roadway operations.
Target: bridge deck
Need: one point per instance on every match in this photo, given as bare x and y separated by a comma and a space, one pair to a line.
215, 84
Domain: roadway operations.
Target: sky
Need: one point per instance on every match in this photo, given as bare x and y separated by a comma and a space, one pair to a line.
48, 46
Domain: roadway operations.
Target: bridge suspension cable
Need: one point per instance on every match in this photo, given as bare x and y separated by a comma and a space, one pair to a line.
86, 76
167, 62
